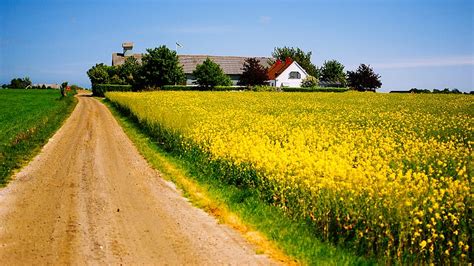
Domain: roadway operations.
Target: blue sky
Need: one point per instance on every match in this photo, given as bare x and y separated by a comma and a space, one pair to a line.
423, 44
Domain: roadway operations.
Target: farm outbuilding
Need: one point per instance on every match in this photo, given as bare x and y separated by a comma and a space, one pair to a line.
231, 65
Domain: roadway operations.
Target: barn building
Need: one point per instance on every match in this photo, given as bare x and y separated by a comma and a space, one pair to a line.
231, 65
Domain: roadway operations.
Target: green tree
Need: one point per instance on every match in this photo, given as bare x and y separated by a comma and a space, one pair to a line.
364, 78
116, 79
309, 81
98, 74
20, 83
114, 75
253, 73
129, 71
160, 66
26, 82
63, 88
209, 74
333, 72
302, 58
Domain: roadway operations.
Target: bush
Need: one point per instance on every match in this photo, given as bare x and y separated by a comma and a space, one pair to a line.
314, 89
99, 74
63, 88
198, 88
309, 81
179, 88
229, 88
364, 79
253, 73
333, 72
160, 66
209, 74
20, 83
101, 89
265, 88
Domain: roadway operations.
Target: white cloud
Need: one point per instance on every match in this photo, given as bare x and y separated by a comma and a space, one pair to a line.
427, 62
265, 19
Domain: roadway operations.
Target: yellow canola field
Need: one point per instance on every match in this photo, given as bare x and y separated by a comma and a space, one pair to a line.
389, 174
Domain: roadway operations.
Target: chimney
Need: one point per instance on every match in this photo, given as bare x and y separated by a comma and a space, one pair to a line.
127, 48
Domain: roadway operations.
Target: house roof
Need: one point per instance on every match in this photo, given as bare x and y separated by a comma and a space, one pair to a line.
119, 58
231, 65
278, 67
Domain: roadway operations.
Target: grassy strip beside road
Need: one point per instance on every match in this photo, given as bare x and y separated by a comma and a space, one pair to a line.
263, 225
28, 118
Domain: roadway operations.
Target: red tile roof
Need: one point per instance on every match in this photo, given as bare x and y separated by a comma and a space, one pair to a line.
278, 67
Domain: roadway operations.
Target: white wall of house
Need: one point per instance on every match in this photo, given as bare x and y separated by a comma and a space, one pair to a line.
284, 79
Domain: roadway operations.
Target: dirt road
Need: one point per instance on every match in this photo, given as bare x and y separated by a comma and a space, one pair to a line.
90, 198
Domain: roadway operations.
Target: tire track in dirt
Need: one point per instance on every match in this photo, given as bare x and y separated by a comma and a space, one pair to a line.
90, 198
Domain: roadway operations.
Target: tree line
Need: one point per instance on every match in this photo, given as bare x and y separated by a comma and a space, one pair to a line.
25, 83
332, 72
435, 91
18, 83
160, 66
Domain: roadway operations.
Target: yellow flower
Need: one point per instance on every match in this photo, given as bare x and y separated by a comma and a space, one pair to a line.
423, 244
387, 154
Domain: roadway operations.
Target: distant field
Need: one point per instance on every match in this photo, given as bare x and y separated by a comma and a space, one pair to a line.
27, 119
387, 175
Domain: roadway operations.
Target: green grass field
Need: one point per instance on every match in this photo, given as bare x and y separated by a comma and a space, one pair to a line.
28, 118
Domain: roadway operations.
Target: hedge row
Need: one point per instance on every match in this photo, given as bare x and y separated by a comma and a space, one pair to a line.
314, 89
255, 88
197, 88
101, 89
179, 88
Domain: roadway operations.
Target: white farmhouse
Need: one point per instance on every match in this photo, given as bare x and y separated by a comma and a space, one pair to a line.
286, 73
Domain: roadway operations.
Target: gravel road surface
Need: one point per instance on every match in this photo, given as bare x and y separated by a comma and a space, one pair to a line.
89, 197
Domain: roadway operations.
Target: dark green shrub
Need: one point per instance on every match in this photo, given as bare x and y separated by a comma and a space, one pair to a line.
229, 88
253, 73
179, 88
314, 89
309, 81
364, 79
209, 75
20, 83
99, 74
198, 88
160, 66
101, 89
265, 88
333, 72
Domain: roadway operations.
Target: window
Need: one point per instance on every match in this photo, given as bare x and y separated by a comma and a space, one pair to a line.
295, 75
